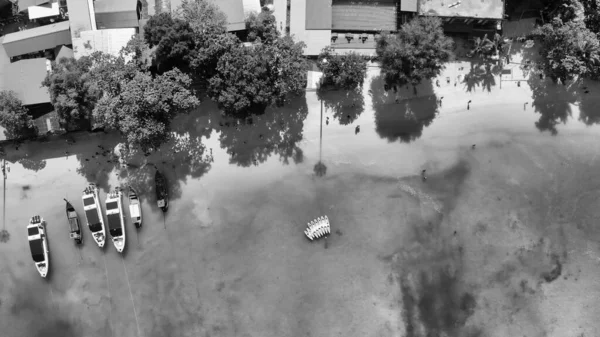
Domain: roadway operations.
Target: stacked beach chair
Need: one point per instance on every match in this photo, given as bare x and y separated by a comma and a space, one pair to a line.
318, 228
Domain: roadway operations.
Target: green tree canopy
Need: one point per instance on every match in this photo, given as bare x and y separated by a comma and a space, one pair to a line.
14, 117
145, 106
416, 53
342, 71
249, 79
70, 94
568, 49
262, 26
174, 39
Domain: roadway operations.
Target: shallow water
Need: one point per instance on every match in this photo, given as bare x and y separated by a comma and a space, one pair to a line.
467, 252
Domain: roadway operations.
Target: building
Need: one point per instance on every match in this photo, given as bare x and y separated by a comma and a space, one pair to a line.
117, 13
465, 15
37, 39
109, 41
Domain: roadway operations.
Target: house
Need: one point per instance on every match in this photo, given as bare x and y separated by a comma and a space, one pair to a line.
109, 41
465, 15
37, 39
117, 13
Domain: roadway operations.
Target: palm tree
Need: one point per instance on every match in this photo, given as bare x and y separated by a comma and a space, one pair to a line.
482, 46
590, 52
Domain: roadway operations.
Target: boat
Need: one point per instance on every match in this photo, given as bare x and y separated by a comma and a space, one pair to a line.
162, 195
73, 219
318, 228
93, 214
116, 219
38, 244
135, 209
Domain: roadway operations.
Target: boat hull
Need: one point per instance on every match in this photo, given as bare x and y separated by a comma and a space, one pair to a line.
42, 267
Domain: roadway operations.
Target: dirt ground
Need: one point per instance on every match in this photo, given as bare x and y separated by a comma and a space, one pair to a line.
500, 240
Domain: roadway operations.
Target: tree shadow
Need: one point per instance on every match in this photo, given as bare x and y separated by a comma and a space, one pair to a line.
31, 164
589, 104
253, 140
552, 101
402, 116
97, 160
481, 74
346, 105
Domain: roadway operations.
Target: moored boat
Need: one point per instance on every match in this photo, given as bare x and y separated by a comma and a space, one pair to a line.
73, 219
93, 214
116, 219
162, 195
38, 244
135, 209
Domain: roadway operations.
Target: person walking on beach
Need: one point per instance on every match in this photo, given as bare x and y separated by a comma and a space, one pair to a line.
423, 175
468, 104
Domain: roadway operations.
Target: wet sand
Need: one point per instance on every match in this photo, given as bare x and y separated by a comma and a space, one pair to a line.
500, 240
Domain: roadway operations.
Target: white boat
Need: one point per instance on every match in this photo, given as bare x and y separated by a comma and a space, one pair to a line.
135, 210
116, 218
318, 228
38, 244
93, 214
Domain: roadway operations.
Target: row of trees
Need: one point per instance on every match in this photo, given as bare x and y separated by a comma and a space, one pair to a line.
570, 44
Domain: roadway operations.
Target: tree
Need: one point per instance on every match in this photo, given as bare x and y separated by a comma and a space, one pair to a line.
416, 53
343, 71
248, 79
14, 117
174, 39
262, 26
567, 49
70, 94
145, 106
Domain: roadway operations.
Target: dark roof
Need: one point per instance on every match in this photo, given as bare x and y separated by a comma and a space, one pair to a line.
33, 231
92, 217
26, 80
37, 250
37, 39
364, 15
318, 14
64, 51
114, 6
114, 221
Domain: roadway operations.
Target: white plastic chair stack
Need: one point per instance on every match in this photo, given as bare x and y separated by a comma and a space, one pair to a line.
318, 228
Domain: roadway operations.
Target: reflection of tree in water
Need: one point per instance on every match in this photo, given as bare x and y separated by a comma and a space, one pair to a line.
320, 169
552, 101
183, 156
96, 167
405, 118
347, 105
589, 107
4, 236
277, 131
30, 164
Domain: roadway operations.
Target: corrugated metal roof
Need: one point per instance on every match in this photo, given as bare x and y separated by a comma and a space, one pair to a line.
25, 4
26, 80
109, 41
408, 5
114, 6
234, 10
36, 39
318, 14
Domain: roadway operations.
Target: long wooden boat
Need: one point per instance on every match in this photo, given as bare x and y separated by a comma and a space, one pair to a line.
73, 220
162, 194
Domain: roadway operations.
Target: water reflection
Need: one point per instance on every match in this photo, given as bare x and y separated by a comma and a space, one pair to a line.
253, 140
589, 104
403, 115
97, 160
31, 164
346, 105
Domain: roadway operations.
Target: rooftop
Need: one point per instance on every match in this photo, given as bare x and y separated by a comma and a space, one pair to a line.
26, 80
109, 41
35, 32
114, 6
484, 9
